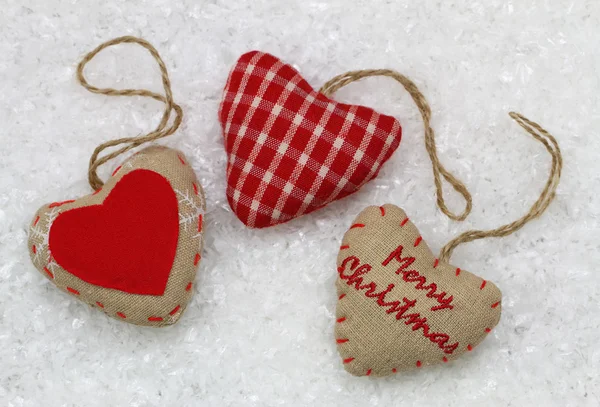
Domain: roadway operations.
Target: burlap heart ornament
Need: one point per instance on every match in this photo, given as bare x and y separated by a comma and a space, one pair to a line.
131, 249
292, 150
399, 306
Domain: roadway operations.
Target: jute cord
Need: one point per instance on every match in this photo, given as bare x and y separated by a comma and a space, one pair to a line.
162, 130
534, 129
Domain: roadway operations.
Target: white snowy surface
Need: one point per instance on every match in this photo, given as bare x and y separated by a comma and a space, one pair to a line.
259, 330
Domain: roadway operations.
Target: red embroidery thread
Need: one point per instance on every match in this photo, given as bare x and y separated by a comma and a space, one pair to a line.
195, 188
121, 315
344, 340
180, 159
72, 290
197, 259
200, 223
404, 222
35, 222
418, 241
344, 247
494, 305
99, 304
355, 280
488, 330
189, 286
341, 296
115, 171
155, 319
175, 310
411, 276
48, 272
357, 225
483, 285
457, 271
346, 361
342, 319
55, 204
369, 372
419, 364
435, 264
34, 249
382, 209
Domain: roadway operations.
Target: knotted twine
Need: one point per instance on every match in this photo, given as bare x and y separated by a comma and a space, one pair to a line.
162, 130
534, 129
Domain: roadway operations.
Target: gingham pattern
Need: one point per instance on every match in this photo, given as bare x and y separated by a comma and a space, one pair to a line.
292, 150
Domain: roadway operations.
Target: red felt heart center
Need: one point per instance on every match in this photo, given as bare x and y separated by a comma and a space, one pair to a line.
127, 243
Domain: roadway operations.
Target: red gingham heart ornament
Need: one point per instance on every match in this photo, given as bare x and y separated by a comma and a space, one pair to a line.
292, 150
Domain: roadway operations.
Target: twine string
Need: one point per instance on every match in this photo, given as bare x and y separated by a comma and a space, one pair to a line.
534, 129
162, 130
539, 206
438, 168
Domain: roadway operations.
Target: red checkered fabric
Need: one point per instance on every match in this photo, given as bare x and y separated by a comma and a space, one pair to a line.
292, 150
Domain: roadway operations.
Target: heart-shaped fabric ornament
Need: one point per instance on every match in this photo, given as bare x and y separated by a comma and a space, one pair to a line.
132, 248
399, 306
292, 150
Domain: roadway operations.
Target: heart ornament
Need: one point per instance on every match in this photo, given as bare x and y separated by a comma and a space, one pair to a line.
399, 306
131, 249
292, 150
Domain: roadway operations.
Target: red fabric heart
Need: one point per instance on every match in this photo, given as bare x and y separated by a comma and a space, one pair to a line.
127, 243
291, 149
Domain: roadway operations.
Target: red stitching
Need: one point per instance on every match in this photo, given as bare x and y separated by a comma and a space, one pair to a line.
99, 304
197, 259
457, 271
341, 296
199, 223
494, 305
483, 285
121, 315
116, 170
382, 209
394, 370
411, 276
343, 340
155, 319
55, 204
418, 241
180, 159
436, 262
445, 359
357, 225
35, 222
346, 361
175, 310
72, 290
34, 249
394, 307
419, 364
195, 188
189, 286
469, 348
48, 272
369, 372
97, 192
488, 330
344, 247
342, 319
404, 222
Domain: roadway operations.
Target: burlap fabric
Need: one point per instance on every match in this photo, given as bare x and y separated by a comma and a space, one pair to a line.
399, 306
153, 310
